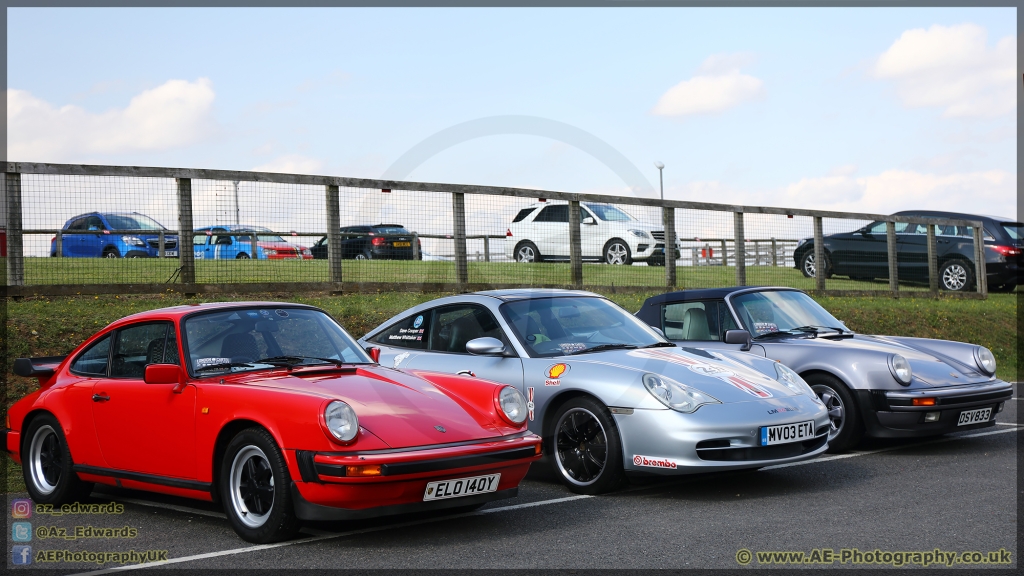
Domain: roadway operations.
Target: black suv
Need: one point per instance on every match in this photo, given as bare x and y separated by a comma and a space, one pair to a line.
862, 254
378, 241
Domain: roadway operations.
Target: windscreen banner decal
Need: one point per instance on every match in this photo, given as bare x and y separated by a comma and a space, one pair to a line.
705, 369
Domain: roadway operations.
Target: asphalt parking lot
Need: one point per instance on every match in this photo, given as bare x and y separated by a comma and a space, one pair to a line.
955, 493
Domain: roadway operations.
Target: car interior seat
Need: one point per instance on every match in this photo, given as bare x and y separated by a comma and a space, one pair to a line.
155, 351
241, 345
463, 330
695, 325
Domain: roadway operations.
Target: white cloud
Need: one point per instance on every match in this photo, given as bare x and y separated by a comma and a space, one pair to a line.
174, 114
954, 69
718, 86
291, 164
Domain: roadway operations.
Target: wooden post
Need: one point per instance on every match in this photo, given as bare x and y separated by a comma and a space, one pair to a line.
739, 251
459, 222
487, 248
416, 246
15, 246
254, 247
933, 263
725, 254
890, 241
668, 221
980, 269
58, 248
575, 248
819, 254
775, 253
186, 255
333, 236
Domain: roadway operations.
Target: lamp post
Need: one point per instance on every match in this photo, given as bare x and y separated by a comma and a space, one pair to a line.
661, 181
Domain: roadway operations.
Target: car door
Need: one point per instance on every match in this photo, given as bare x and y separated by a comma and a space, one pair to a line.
200, 244
144, 428
73, 244
862, 253
592, 236
551, 230
451, 327
224, 247
96, 240
912, 252
698, 323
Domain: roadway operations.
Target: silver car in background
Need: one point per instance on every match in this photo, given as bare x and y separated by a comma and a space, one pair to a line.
877, 386
609, 394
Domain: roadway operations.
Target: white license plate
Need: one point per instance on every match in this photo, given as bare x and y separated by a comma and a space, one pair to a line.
461, 487
974, 416
171, 253
786, 433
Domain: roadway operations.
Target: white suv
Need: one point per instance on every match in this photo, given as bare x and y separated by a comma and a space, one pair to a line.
541, 233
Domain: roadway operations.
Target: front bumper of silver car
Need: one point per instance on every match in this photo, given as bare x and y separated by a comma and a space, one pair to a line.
717, 436
893, 414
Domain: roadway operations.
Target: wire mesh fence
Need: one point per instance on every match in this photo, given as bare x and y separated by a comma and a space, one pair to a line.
111, 229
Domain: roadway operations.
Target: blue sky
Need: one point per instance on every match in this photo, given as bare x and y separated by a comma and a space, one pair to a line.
866, 109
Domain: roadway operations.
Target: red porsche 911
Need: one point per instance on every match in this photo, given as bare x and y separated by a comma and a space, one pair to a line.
273, 410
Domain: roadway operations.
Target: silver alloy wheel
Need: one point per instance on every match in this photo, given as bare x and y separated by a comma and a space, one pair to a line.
242, 256
581, 445
110, 254
45, 459
616, 253
809, 265
526, 254
834, 404
252, 486
360, 256
954, 276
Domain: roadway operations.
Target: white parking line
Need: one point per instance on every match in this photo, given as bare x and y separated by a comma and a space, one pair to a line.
321, 535
1006, 423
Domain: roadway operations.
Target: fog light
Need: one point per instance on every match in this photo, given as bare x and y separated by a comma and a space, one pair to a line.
362, 470
923, 402
931, 416
999, 408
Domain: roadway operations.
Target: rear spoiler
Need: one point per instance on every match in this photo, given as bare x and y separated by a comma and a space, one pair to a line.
41, 367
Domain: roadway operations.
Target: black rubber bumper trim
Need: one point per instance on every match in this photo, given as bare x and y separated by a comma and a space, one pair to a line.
306, 510
436, 465
148, 478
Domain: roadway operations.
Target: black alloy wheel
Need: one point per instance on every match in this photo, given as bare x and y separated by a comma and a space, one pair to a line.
255, 488
47, 465
587, 452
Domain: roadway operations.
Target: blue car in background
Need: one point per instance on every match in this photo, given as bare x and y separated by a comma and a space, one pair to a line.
114, 235
234, 242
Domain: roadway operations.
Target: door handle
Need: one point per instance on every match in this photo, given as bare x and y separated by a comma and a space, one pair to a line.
100, 397
465, 373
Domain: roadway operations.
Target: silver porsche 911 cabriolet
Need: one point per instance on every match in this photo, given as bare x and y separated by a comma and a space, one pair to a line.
609, 394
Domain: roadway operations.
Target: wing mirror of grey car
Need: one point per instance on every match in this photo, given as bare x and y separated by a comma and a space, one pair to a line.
485, 346
589, 220
738, 337
659, 331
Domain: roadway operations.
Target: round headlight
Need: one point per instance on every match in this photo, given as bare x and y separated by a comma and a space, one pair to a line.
986, 361
512, 404
674, 395
792, 380
341, 420
900, 369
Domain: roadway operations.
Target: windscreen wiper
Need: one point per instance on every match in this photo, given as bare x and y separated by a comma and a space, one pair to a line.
295, 360
600, 347
225, 365
660, 345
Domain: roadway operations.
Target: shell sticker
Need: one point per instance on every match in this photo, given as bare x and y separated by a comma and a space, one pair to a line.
554, 374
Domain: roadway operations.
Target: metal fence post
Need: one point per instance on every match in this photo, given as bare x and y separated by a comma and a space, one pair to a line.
459, 217
933, 263
333, 235
186, 256
15, 247
890, 242
980, 270
668, 221
820, 265
739, 251
575, 241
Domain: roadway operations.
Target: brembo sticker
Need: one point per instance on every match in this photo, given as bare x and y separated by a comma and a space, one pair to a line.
713, 371
652, 462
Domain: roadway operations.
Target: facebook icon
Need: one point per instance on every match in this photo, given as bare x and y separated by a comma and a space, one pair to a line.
21, 555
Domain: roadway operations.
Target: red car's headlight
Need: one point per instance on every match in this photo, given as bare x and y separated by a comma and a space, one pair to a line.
511, 405
341, 421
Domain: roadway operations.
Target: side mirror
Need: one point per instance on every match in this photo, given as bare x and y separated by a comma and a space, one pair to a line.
659, 331
165, 374
738, 337
374, 353
588, 220
486, 346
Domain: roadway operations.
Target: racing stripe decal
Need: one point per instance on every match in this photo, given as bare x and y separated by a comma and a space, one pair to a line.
705, 369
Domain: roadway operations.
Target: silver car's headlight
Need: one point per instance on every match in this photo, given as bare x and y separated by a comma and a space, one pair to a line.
900, 369
639, 233
513, 405
793, 381
676, 396
986, 361
341, 421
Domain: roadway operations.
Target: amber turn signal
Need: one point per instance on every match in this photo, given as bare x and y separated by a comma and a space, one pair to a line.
924, 402
362, 470
536, 449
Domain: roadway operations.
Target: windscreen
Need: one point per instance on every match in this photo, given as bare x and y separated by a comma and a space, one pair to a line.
573, 325
608, 213
387, 230
245, 339
781, 311
132, 222
266, 237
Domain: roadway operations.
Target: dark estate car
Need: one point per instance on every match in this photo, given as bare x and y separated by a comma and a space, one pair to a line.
379, 241
113, 235
862, 254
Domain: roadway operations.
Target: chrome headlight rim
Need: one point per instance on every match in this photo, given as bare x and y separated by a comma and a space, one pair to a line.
639, 233
698, 398
341, 421
793, 381
981, 354
512, 405
898, 365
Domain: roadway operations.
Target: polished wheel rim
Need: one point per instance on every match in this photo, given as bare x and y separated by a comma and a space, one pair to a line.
526, 254
243, 256
581, 446
954, 277
252, 486
110, 254
809, 265
46, 459
617, 254
360, 257
834, 404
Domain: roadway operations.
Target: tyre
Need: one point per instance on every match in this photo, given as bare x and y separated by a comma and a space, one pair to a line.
242, 256
47, 465
255, 488
616, 252
364, 255
845, 426
956, 276
808, 268
527, 252
585, 447
111, 252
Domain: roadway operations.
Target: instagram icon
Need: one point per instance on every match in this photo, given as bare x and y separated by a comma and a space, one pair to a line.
21, 508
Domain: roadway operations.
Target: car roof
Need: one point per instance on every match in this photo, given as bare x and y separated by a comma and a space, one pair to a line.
186, 309
510, 294
958, 215
709, 293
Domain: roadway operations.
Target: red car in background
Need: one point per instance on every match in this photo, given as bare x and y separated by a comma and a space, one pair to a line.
234, 242
273, 410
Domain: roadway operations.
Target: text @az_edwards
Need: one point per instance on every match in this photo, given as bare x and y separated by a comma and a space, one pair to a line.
878, 557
